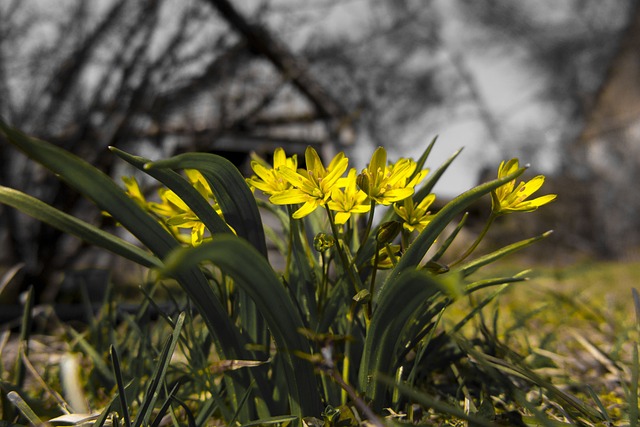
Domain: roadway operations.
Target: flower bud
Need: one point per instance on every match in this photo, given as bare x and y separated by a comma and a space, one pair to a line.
363, 181
388, 231
323, 242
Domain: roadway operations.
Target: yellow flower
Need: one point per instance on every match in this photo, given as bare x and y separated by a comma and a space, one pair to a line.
268, 180
350, 201
312, 186
133, 190
389, 183
415, 216
388, 257
511, 198
172, 211
176, 215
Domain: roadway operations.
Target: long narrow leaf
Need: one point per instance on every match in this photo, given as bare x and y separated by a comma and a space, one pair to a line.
72, 225
183, 189
99, 188
25, 334
425, 239
233, 256
152, 392
435, 403
396, 308
124, 405
232, 192
432, 179
569, 402
473, 266
240, 211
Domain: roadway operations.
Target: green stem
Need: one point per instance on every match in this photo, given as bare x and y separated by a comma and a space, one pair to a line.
322, 292
475, 244
367, 230
290, 245
405, 239
373, 282
346, 364
343, 257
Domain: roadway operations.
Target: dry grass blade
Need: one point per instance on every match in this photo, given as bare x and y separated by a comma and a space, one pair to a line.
568, 402
597, 353
72, 384
24, 409
223, 366
62, 404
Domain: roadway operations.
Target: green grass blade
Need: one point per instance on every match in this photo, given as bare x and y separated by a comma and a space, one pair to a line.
191, 421
449, 240
102, 419
240, 211
165, 406
432, 402
570, 403
232, 255
25, 333
432, 179
124, 406
157, 378
93, 354
473, 266
397, 306
231, 190
96, 186
71, 225
272, 420
633, 387
183, 189
423, 158
423, 242
99, 188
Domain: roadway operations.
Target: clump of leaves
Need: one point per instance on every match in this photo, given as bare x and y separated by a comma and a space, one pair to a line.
353, 320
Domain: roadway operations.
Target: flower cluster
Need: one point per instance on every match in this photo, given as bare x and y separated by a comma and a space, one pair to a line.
344, 196
344, 192
173, 212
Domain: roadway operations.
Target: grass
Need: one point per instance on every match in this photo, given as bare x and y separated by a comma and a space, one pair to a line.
573, 326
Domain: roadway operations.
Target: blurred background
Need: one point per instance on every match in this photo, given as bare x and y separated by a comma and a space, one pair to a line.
552, 82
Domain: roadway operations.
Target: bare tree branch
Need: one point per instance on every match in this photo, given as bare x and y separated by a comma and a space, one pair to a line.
263, 42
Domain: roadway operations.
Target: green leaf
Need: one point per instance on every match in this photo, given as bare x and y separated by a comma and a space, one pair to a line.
473, 266
366, 252
152, 392
71, 225
570, 403
282, 419
425, 239
25, 335
124, 406
233, 255
433, 178
99, 188
240, 212
397, 306
423, 158
96, 186
232, 192
174, 181
434, 402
